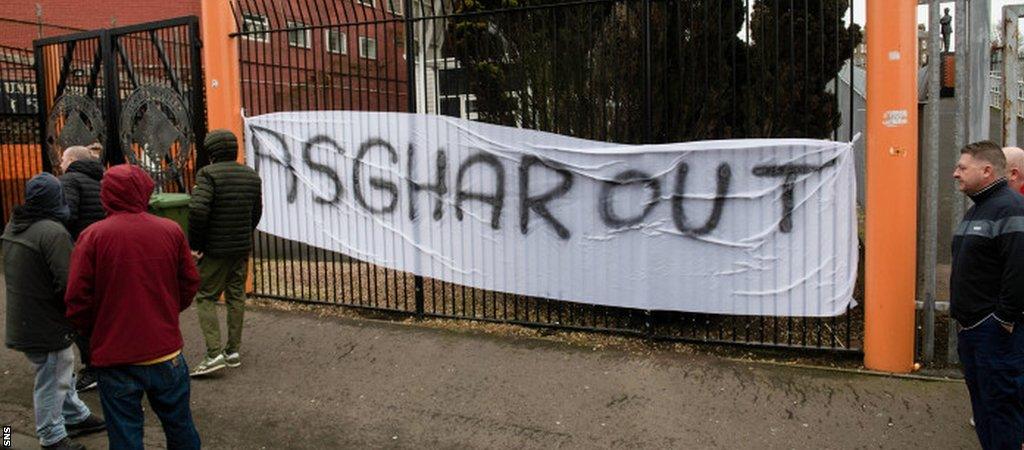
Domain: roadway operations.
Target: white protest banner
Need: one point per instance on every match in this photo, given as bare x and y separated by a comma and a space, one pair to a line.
748, 227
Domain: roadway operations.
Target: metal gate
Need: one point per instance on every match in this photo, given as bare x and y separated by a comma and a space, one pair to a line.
135, 94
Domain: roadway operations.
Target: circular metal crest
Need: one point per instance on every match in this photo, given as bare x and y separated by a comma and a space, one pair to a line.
74, 120
156, 132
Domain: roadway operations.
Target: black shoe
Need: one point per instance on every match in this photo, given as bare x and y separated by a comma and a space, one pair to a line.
91, 424
86, 380
65, 444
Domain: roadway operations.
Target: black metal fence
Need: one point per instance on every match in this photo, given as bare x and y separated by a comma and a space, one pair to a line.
648, 71
20, 154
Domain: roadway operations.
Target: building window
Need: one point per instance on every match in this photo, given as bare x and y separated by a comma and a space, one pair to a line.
253, 23
367, 2
336, 41
367, 47
299, 38
395, 6
451, 107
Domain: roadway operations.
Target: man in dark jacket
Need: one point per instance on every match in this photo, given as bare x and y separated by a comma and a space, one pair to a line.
81, 180
131, 276
987, 296
36, 250
226, 205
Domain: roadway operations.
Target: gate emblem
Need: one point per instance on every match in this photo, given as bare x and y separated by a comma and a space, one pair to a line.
75, 120
156, 133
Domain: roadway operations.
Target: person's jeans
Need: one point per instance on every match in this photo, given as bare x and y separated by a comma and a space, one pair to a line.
54, 397
219, 275
993, 364
166, 385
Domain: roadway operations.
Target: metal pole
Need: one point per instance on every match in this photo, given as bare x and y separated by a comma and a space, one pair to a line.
648, 95
978, 63
1011, 94
42, 100
960, 139
410, 74
39, 20
931, 171
892, 154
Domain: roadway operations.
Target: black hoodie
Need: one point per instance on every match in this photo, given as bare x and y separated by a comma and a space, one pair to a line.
82, 190
988, 258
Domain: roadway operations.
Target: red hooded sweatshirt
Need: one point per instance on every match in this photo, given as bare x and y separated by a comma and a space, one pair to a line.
131, 275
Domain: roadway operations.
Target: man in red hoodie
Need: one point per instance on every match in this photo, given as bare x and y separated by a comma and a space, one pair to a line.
132, 274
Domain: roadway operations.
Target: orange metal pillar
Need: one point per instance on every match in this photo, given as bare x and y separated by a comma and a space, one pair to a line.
52, 57
892, 152
52, 62
221, 64
223, 77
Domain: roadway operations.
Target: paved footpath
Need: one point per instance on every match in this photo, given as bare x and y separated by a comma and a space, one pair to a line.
326, 382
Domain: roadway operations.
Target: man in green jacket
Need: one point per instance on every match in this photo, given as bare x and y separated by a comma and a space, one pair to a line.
226, 206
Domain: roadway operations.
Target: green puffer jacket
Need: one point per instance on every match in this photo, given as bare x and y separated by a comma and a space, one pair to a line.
226, 206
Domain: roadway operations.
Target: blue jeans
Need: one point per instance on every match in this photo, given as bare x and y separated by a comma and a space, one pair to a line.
993, 365
166, 385
54, 397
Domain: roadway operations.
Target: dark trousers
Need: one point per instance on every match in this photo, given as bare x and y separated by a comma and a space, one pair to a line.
166, 385
993, 365
82, 342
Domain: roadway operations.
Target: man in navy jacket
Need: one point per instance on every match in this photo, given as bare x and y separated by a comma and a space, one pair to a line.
987, 295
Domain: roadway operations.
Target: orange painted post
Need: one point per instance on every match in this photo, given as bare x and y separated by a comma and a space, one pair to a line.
51, 78
223, 77
52, 57
221, 64
891, 219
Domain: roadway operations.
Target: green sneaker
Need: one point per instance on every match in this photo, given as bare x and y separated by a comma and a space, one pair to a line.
232, 359
209, 365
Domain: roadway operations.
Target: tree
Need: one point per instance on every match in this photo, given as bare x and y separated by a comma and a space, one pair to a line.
798, 47
579, 69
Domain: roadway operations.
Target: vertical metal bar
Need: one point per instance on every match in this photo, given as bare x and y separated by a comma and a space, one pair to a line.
648, 119
410, 73
1011, 63
931, 176
196, 87
112, 94
978, 65
648, 111
960, 137
41, 93
853, 109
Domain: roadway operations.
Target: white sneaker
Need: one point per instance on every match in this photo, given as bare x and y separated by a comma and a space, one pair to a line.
233, 359
209, 365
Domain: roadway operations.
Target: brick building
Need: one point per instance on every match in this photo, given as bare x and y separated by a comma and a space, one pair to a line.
294, 54
20, 19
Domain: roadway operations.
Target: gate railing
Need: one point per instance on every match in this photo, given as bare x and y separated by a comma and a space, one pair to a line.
19, 132
649, 71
